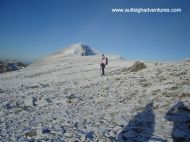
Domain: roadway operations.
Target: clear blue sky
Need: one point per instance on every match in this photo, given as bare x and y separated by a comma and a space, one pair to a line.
30, 29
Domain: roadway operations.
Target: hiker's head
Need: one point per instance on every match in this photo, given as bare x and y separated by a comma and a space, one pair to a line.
103, 56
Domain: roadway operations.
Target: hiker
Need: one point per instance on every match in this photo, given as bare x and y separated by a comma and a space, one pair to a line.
103, 63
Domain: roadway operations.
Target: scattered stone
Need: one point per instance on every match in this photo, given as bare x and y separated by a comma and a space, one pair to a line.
68, 135
28, 101
44, 85
34, 86
26, 108
45, 131
1, 91
63, 129
8, 106
119, 120
34, 99
69, 101
72, 96
48, 100
83, 138
90, 135
31, 134
117, 129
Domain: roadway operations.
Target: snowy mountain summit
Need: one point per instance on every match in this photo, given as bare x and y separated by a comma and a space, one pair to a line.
74, 50
80, 49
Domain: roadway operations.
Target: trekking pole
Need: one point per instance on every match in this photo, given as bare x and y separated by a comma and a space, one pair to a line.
100, 70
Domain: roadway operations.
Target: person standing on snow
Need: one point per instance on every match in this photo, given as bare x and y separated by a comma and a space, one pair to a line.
103, 63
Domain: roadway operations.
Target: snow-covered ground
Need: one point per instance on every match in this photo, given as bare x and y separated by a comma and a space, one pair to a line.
64, 98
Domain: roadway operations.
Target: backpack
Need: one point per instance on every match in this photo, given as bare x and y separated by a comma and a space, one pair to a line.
106, 61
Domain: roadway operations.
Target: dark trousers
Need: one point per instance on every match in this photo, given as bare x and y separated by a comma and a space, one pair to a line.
102, 66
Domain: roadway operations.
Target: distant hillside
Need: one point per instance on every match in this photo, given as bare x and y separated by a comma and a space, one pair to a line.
11, 65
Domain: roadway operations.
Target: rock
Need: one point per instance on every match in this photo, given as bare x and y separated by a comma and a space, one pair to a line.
63, 129
137, 66
31, 134
90, 135
45, 131
83, 138
117, 129
44, 85
76, 140
8, 106
69, 101
119, 120
111, 136
1, 91
71, 96
72, 99
17, 103
34, 99
34, 86
100, 99
30, 101
31, 140
68, 135
48, 100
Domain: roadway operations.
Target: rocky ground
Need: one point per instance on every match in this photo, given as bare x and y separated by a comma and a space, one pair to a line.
67, 100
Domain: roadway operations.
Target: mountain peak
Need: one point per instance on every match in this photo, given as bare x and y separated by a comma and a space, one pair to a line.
80, 49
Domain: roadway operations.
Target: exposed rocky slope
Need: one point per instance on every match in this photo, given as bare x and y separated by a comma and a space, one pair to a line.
67, 100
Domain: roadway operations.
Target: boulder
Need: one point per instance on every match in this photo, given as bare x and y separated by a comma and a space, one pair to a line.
137, 66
